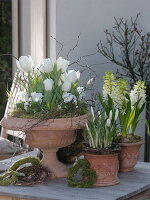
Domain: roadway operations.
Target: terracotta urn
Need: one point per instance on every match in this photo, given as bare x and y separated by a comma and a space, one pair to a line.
48, 135
106, 167
129, 156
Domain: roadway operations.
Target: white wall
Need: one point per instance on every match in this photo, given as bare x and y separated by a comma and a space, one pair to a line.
91, 18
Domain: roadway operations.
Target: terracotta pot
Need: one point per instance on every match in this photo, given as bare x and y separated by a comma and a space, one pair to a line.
106, 167
129, 156
48, 135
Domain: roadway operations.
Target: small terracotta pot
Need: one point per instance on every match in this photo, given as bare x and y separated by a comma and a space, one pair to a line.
48, 135
106, 167
129, 156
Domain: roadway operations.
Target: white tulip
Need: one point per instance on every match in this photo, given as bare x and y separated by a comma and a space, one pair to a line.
48, 84
72, 76
25, 64
68, 97
46, 65
108, 122
62, 64
37, 97
66, 86
63, 77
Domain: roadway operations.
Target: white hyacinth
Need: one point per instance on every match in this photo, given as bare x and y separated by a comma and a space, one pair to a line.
37, 97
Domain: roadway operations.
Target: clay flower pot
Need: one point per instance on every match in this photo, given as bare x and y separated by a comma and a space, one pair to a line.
48, 135
129, 155
106, 167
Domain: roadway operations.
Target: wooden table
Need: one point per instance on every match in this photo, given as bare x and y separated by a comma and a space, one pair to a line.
133, 186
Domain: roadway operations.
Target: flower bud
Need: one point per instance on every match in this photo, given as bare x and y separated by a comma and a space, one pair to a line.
66, 86
62, 64
46, 65
72, 76
25, 64
48, 84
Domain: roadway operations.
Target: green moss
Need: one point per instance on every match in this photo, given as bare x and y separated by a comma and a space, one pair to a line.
88, 175
130, 138
53, 113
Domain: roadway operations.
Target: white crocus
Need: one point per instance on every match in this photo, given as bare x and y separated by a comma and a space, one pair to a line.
116, 114
48, 84
90, 81
108, 122
68, 97
110, 115
25, 64
62, 64
72, 76
37, 97
46, 65
26, 105
92, 112
66, 86
23, 96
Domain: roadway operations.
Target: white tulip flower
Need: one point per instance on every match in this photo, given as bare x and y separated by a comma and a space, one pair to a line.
63, 77
62, 64
46, 65
72, 76
37, 97
48, 84
25, 64
68, 97
66, 86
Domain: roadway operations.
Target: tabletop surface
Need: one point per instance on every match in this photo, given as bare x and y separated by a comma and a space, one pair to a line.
131, 183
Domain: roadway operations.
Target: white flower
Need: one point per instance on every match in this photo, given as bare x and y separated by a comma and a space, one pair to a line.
63, 77
92, 112
62, 64
26, 105
81, 92
25, 64
68, 97
48, 84
90, 81
108, 122
72, 76
110, 115
37, 97
46, 65
66, 86
116, 114
78, 75
23, 96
